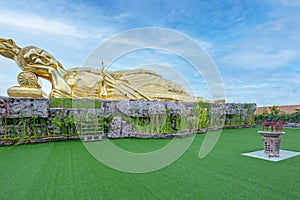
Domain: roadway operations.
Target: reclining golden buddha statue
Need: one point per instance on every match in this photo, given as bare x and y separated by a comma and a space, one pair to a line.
138, 84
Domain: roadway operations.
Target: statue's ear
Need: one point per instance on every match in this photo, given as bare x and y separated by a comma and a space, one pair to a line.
10, 41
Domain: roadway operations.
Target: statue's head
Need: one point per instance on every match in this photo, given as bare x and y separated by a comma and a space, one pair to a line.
8, 48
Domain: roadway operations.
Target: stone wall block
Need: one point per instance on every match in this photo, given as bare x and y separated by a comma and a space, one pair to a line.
23, 107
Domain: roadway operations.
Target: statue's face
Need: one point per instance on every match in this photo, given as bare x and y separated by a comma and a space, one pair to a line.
37, 56
7, 48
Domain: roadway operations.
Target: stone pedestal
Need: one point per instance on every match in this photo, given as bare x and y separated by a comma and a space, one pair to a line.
271, 142
25, 92
28, 88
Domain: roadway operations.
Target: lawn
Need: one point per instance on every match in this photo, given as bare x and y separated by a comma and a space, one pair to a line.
65, 170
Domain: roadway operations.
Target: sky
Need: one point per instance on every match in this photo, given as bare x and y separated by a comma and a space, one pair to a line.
255, 44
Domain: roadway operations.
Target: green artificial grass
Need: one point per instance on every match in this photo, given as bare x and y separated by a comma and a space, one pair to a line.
65, 170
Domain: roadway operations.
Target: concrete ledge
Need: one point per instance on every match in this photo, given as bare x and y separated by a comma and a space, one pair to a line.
284, 154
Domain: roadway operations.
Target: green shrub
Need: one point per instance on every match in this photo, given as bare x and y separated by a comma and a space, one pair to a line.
74, 103
105, 122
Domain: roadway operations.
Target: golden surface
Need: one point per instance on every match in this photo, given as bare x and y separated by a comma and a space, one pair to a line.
136, 84
28, 79
19, 91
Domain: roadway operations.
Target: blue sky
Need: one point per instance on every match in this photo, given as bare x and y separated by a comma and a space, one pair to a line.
254, 44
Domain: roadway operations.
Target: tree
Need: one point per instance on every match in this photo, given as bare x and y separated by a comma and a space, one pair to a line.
274, 110
265, 113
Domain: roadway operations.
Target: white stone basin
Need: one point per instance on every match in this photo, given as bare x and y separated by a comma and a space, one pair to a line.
270, 133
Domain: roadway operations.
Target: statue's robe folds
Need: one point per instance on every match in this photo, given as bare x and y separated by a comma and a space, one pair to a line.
120, 85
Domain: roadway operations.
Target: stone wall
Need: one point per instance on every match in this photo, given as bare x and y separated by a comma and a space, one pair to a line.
23, 107
119, 118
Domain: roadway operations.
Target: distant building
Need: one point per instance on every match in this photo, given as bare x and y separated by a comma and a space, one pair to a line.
287, 109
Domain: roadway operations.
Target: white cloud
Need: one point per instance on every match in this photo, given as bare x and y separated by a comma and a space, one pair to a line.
260, 96
252, 59
118, 18
271, 44
290, 3
246, 85
294, 78
39, 23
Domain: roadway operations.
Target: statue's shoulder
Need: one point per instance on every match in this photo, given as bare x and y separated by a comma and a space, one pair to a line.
135, 72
